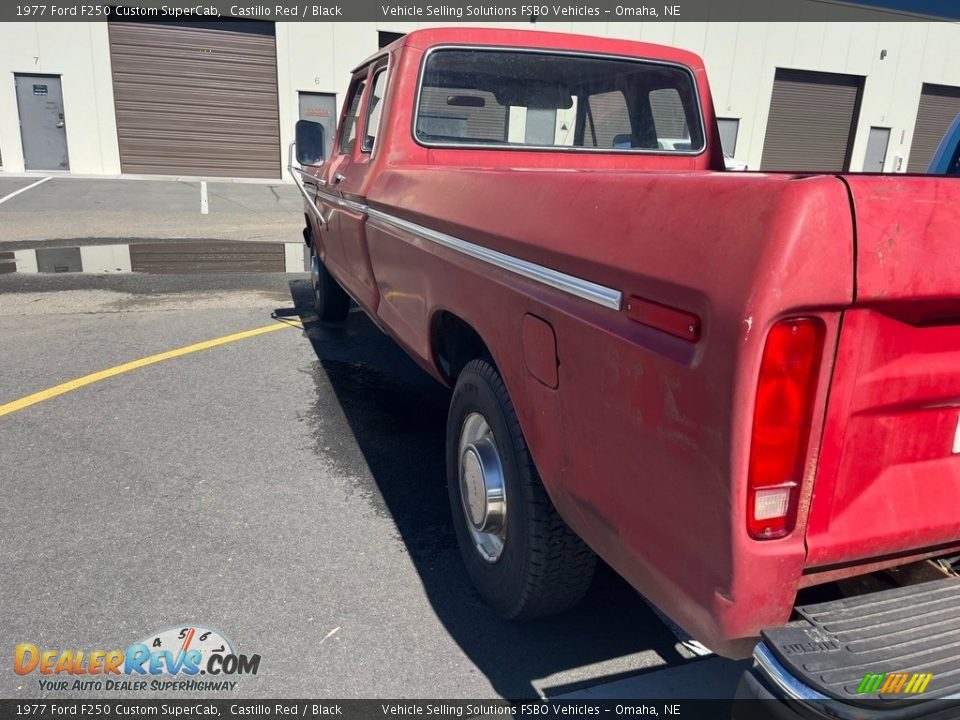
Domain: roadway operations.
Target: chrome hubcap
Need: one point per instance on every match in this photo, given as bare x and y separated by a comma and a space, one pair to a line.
482, 487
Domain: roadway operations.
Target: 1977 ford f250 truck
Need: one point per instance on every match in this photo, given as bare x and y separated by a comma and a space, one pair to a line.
730, 386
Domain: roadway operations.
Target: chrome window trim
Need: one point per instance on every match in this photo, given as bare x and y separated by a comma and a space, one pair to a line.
345, 110
555, 148
375, 70
570, 284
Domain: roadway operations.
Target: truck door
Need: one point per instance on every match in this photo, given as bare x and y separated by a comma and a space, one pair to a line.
351, 180
320, 181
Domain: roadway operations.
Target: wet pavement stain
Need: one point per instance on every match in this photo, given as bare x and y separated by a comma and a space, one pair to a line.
390, 445
392, 448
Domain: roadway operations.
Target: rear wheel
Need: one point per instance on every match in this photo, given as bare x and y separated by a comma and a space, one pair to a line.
520, 555
330, 301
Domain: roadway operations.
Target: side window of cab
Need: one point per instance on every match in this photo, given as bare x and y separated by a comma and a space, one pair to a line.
378, 88
350, 125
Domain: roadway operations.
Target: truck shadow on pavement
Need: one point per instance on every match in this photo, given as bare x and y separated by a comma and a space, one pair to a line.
397, 416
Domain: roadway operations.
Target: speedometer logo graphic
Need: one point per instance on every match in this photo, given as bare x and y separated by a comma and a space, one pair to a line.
183, 639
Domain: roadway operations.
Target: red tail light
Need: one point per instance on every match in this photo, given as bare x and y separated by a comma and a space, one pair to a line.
781, 425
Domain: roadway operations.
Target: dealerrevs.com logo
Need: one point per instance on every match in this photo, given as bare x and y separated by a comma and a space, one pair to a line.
169, 660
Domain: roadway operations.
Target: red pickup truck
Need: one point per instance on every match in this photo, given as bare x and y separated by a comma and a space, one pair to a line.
729, 386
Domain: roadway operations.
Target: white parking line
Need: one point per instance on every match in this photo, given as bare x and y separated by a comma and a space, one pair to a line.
41, 181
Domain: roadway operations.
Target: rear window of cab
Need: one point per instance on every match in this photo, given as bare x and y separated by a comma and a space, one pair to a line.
492, 98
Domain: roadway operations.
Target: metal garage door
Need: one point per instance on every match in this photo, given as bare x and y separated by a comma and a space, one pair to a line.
485, 122
207, 257
196, 98
812, 121
939, 105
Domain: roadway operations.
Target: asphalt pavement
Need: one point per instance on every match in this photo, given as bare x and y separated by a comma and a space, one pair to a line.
286, 489
74, 211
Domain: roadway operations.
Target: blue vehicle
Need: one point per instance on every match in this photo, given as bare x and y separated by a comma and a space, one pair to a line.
946, 160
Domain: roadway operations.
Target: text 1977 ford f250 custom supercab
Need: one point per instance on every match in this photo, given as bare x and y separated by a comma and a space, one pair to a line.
732, 387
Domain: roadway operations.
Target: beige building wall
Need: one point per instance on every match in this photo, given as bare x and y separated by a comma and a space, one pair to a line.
80, 53
741, 60
317, 57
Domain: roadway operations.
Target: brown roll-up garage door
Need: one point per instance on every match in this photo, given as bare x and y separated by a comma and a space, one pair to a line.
212, 256
939, 105
438, 118
196, 98
812, 121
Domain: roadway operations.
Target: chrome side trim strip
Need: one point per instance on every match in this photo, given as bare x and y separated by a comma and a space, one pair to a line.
343, 202
295, 173
570, 284
578, 287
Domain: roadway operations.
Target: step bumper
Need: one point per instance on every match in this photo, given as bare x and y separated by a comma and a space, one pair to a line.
892, 654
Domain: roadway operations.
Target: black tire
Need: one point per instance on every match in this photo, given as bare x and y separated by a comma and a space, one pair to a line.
543, 567
330, 301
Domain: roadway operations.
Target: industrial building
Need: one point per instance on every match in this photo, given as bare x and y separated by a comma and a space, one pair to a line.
220, 99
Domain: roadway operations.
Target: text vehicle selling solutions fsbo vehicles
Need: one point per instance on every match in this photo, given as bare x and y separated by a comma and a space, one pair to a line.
732, 387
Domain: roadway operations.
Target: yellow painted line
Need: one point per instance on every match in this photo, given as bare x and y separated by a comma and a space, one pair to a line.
80, 382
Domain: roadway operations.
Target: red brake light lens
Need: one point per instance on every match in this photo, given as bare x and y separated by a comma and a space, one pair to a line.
781, 425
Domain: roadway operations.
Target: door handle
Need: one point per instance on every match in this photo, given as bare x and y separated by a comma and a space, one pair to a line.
338, 178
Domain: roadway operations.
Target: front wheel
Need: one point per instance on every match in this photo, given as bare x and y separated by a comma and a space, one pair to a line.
521, 556
330, 301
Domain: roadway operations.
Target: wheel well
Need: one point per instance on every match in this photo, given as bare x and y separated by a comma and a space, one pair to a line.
454, 343
307, 231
